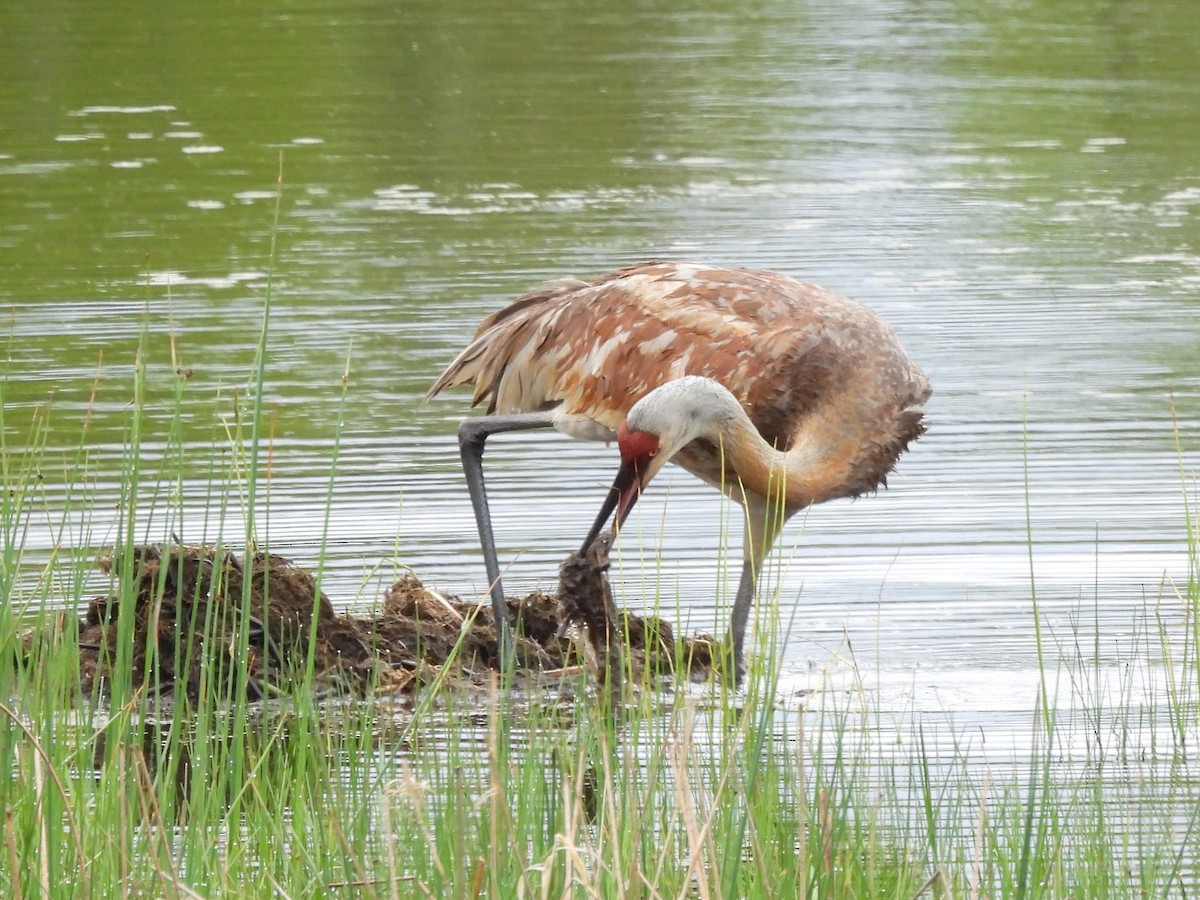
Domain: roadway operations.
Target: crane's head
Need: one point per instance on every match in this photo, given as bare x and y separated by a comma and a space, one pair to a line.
657, 427
640, 460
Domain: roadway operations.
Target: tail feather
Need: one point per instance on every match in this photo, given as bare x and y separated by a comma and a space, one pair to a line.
498, 340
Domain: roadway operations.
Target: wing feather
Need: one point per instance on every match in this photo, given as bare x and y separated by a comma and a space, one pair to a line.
784, 347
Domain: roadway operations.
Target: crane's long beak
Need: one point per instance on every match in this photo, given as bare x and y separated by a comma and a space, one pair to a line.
625, 490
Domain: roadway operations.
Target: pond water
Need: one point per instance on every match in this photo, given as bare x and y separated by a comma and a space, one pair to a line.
1015, 190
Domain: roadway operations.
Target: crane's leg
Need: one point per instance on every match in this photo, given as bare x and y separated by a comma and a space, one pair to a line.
741, 615
472, 434
764, 521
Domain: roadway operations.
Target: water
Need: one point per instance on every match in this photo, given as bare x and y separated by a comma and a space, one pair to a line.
1015, 191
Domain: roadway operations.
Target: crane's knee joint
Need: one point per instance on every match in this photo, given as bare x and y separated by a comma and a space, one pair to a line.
471, 435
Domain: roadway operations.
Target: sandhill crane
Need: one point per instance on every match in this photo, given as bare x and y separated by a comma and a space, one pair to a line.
777, 392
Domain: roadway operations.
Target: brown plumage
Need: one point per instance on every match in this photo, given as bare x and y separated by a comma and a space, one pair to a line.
824, 398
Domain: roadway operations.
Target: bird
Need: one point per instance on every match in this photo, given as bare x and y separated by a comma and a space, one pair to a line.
777, 392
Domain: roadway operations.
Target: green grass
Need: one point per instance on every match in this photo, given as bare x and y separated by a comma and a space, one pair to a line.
693, 794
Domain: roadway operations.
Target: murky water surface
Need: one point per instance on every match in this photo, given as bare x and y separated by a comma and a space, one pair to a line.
1016, 193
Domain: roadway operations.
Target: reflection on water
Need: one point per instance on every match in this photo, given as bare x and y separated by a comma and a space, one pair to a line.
1016, 194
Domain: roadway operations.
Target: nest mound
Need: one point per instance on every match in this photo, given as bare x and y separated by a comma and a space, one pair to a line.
194, 607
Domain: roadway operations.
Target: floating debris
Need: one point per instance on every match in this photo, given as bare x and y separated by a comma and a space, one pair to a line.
586, 599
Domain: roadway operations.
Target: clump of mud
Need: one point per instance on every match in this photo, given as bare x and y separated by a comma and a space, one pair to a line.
194, 607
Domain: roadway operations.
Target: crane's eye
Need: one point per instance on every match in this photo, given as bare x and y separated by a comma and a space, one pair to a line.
652, 453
